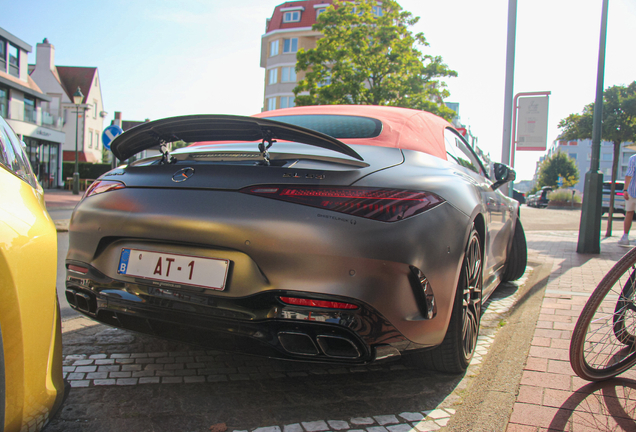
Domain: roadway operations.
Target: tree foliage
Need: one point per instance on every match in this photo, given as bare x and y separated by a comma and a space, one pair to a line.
619, 117
618, 126
365, 58
559, 165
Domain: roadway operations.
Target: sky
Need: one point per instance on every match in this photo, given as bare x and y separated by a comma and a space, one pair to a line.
161, 58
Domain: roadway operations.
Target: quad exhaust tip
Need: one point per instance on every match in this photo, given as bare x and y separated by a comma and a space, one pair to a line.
330, 346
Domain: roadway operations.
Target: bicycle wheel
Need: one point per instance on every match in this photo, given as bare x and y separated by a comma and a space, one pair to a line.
604, 339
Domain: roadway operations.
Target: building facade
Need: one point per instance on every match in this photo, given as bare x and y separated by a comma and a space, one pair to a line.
581, 152
288, 30
28, 109
85, 121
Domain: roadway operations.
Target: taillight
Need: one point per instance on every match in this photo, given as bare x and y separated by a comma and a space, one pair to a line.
101, 186
386, 205
317, 303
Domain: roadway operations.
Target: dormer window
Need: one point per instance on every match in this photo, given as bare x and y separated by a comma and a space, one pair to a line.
320, 8
292, 14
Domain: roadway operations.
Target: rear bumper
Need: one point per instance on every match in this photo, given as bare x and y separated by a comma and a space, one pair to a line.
260, 324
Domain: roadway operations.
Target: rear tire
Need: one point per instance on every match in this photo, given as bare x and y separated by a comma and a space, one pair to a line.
456, 351
518, 258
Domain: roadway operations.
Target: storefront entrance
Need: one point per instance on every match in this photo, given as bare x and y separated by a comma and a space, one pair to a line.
44, 160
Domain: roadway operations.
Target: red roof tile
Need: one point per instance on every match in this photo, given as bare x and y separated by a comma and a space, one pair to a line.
307, 17
72, 77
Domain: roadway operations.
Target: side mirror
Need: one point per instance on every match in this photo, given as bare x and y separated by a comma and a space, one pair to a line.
503, 175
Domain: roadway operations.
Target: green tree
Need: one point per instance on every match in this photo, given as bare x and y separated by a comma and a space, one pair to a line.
559, 165
619, 126
367, 57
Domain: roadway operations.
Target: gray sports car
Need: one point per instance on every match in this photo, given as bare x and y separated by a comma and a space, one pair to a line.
344, 234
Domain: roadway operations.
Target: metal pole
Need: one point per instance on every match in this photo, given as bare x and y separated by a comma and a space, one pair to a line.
510, 74
590, 227
76, 173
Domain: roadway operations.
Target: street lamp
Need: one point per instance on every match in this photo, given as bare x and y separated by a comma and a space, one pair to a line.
77, 100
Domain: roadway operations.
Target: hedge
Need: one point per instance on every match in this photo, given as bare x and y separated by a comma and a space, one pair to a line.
86, 170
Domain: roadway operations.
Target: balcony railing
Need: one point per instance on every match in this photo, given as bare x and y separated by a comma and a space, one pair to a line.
36, 116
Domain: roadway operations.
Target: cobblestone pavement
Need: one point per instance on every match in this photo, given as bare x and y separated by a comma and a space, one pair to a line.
124, 381
100, 360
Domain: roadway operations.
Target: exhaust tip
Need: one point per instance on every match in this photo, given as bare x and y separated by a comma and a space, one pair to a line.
338, 347
298, 343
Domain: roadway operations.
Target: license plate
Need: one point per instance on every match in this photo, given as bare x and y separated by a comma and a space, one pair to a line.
202, 272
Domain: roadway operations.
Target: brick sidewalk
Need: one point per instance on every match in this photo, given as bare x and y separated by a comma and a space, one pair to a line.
551, 397
61, 199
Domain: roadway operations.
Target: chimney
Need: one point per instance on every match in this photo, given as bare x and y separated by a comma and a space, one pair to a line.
45, 55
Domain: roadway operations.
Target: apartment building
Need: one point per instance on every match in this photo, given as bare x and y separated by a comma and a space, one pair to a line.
581, 152
86, 120
288, 30
27, 108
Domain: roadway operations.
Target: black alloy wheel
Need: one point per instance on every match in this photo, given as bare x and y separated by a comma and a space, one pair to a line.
471, 299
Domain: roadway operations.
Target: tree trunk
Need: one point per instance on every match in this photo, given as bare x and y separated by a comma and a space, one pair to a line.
617, 151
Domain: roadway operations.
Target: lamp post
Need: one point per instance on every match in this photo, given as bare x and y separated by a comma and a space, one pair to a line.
77, 100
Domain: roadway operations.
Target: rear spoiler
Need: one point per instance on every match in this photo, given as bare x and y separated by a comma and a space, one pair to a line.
207, 127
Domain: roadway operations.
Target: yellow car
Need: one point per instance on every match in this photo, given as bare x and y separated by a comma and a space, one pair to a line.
31, 381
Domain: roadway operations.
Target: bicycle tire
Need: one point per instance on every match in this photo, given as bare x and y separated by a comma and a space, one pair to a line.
603, 342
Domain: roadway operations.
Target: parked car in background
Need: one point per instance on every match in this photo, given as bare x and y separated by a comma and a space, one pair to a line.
531, 200
31, 384
343, 234
519, 196
619, 199
542, 198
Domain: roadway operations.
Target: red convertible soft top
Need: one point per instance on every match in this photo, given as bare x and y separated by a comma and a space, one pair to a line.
401, 127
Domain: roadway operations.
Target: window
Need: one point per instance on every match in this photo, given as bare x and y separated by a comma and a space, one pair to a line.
3, 55
271, 104
97, 146
288, 74
290, 45
337, 126
572, 155
29, 110
4, 102
14, 61
319, 11
90, 139
459, 152
607, 157
94, 109
377, 11
273, 48
292, 16
287, 102
273, 76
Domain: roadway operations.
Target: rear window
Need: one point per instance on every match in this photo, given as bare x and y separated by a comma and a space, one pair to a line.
336, 126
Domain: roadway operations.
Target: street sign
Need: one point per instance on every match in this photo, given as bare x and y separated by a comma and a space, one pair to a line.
532, 127
109, 134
